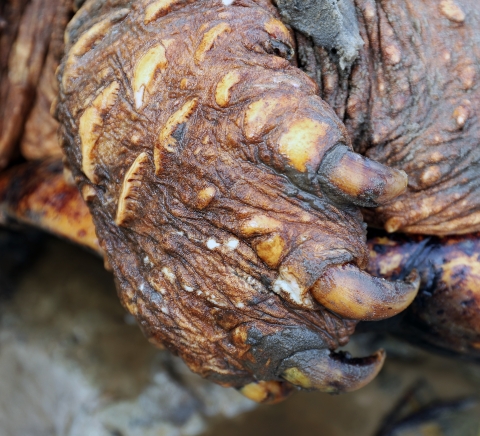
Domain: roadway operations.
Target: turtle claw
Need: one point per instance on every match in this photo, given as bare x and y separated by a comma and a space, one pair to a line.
355, 294
360, 180
331, 372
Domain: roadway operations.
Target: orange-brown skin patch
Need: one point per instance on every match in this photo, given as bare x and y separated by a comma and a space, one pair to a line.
270, 392
37, 194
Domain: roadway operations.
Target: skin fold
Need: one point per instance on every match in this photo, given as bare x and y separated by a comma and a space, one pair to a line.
226, 194
31, 46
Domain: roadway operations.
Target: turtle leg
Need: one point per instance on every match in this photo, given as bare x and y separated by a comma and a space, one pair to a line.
32, 46
224, 190
445, 316
36, 193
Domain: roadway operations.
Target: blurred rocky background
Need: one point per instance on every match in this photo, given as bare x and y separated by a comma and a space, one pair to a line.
72, 362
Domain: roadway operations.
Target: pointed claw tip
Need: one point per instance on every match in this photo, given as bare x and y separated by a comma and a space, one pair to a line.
332, 372
360, 180
396, 184
413, 279
354, 294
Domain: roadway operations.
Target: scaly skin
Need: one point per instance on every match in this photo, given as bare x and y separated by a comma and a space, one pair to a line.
214, 174
445, 315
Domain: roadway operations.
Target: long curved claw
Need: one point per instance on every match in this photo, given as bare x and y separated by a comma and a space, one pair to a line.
352, 293
360, 180
331, 372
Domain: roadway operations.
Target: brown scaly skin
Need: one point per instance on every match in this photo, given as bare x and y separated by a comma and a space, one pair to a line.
411, 101
446, 313
245, 222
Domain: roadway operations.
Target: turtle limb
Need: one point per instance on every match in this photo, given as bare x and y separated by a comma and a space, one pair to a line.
30, 55
445, 316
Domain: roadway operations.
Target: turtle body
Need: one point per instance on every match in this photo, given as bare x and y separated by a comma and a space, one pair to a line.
231, 164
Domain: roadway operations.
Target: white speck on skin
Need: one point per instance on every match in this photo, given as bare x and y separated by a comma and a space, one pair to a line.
139, 97
227, 2
212, 244
287, 285
165, 310
141, 288
240, 305
232, 243
147, 261
188, 288
169, 275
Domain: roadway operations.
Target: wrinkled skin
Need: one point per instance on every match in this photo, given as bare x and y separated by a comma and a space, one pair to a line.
411, 101
247, 258
444, 316
31, 46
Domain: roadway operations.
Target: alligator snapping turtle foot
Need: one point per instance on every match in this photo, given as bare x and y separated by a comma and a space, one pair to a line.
229, 214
